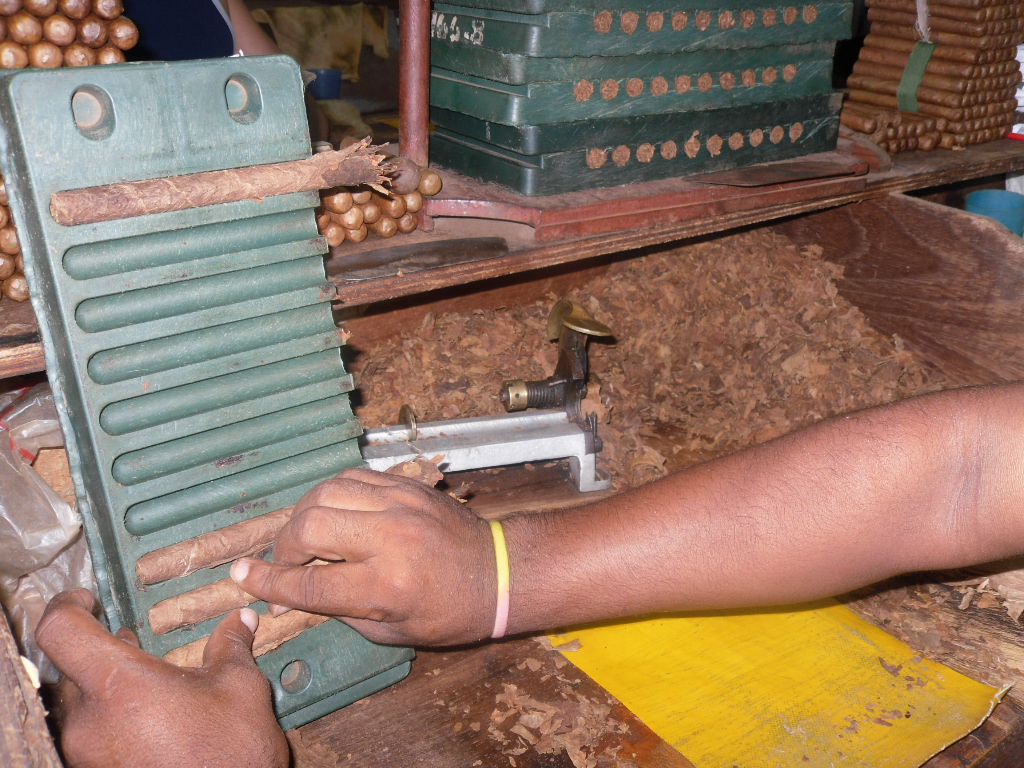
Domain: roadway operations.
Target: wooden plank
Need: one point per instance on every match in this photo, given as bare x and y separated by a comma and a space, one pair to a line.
24, 738
911, 170
946, 282
440, 716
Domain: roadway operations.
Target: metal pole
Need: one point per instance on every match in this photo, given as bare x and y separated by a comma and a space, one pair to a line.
414, 80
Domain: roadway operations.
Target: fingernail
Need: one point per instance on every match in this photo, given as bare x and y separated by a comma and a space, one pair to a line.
250, 618
240, 570
278, 610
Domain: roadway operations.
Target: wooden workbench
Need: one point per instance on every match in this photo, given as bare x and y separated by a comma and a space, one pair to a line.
956, 305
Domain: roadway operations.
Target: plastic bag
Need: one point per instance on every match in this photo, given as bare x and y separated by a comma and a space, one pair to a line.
42, 547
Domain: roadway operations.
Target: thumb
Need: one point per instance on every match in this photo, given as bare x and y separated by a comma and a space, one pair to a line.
231, 641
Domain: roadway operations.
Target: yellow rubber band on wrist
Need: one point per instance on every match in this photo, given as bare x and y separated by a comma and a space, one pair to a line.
504, 579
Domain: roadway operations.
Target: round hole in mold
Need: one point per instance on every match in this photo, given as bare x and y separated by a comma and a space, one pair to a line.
93, 112
243, 99
295, 676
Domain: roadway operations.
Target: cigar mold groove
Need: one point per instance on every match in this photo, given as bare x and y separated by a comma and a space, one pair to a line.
193, 353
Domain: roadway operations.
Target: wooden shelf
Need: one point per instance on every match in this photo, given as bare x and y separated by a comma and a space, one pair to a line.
21, 351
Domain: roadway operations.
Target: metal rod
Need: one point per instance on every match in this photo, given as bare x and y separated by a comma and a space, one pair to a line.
414, 80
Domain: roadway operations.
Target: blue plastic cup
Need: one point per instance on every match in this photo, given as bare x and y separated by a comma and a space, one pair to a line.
1002, 205
327, 84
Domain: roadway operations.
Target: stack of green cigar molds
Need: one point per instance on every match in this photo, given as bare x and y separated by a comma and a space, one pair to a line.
192, 354
551, 96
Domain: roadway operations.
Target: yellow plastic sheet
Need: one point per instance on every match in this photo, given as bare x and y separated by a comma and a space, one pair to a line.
812, 687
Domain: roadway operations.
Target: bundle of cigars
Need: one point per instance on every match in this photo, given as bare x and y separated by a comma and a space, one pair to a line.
966, 92
48, 34
351, 214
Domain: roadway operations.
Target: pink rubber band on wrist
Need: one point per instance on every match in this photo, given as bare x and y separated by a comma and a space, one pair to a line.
504, 579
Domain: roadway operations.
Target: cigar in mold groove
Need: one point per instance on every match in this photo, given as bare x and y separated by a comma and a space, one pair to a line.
357, 164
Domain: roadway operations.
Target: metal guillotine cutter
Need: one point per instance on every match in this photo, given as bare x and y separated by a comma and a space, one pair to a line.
193, 354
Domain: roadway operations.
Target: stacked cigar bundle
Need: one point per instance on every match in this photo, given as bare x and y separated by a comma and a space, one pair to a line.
352, 214
13, 284
966, 92
71, 33
47, 34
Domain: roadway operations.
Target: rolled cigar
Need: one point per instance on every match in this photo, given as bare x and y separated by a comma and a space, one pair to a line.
78, 55
983, 43
40, 8
323, 218
407, 222
350, 219
972, 56
393, 206
24, 28
930, 95
928, 141
952, 141
248, 537
92, 31
15, 287
12, 55
122, 33
45, 54
338, 202
8, 265
969, 3
857, 122
273, 632
59, 29
413, 201
109, 54
939, 24
197, 606
430, 183
371, 212
361, 196
385, 226
9, 7
75, 9
885, 100
948, 11
885, 72
211, 549
358, 164
107, 9
334, 233
936, 65
9, 240
357, 235
406, 176
5, 216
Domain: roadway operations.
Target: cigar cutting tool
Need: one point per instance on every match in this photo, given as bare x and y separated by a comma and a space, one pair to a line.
556, 428
192, 354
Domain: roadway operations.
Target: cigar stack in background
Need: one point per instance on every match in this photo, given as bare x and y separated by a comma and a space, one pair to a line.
48, 34
967, 91
352, 214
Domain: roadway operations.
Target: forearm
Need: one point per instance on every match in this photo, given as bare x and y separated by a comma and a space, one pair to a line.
933, 482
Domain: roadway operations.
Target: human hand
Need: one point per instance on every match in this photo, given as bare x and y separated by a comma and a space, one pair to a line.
121, 707
408, 564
